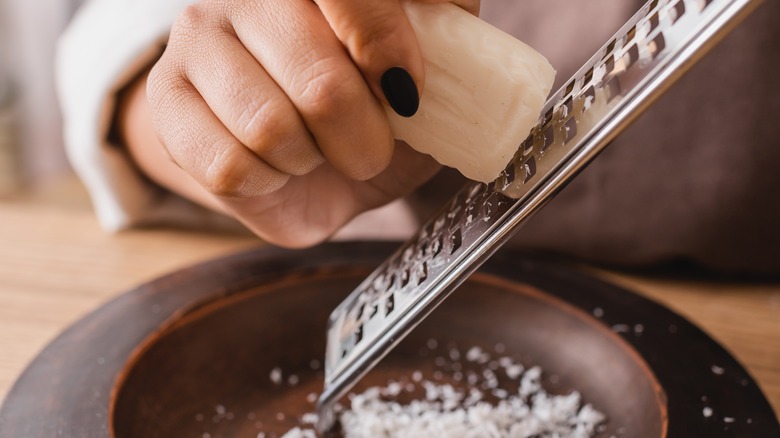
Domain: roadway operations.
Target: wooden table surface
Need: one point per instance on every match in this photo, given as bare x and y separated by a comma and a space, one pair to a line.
56, 265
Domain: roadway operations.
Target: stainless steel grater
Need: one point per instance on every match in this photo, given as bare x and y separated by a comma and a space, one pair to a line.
649, 53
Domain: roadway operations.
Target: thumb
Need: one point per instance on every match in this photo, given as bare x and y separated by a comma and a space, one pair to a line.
381, 42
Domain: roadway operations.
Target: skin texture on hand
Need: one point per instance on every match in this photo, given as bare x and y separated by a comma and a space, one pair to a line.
271, 111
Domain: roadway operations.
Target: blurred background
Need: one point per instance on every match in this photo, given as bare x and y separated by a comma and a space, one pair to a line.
31, 144
31, 150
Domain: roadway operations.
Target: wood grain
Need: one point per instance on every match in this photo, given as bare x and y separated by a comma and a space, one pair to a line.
56, 265
742, 317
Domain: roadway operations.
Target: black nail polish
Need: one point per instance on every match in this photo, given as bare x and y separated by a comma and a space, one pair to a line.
400, 91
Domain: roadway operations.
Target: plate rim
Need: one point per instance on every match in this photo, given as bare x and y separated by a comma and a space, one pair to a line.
252, 267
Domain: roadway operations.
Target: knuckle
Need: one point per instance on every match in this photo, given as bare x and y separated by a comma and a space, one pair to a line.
369, 37
190, 21
226, 174
232, 173
326, 89
372, 165
161, 83
199, 27
167, 93
270, 131
262, 125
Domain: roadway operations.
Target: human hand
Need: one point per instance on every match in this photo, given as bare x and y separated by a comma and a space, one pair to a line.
274, 109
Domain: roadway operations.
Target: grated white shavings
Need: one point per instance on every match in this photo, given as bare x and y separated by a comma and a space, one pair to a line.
530, 383
310, 418
518, 408
474, 354
300, 433
620, 328
446, 412
276, 376
221, 414
513, 371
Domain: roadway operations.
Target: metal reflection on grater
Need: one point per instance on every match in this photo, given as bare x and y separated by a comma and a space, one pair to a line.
619, 82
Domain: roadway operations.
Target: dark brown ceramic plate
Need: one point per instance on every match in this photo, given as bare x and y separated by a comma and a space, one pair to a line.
189, 354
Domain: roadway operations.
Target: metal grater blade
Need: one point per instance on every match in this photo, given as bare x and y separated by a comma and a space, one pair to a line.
649, 53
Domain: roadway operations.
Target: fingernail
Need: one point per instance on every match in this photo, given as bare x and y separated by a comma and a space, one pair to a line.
400, 91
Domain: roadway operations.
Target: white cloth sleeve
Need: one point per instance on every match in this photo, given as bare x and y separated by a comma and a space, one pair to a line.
107, 44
